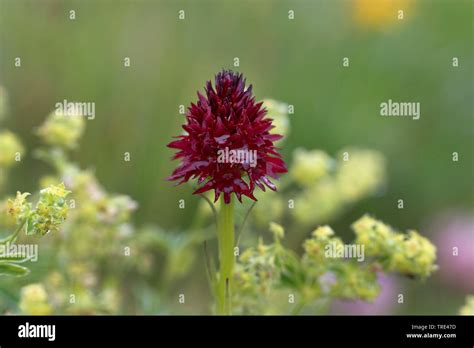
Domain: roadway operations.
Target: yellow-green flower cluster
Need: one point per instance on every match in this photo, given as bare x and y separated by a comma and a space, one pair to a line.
50, 211
360, 175
10, 148
468, 308
310, 166
278, 111
62, 130
317, 203
255, 276
410, 254
259, 264
329, 185
318, 276
314, 247
55, 293
94, 204
354, 281
277, 230
34, 300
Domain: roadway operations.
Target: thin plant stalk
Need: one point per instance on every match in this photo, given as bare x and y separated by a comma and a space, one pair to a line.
225, 235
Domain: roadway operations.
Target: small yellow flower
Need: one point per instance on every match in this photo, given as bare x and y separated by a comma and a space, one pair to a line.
379, 13
323, 232
16, 207
50, 211
309, 166
34, 300
277, 230
62, 130
56, 190
10, 147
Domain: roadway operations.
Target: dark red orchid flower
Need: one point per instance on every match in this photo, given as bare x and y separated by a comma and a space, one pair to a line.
227, 145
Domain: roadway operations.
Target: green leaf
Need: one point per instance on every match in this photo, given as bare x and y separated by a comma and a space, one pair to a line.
14, 259
10, 269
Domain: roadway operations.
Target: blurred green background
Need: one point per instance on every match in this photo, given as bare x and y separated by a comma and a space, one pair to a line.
296, 61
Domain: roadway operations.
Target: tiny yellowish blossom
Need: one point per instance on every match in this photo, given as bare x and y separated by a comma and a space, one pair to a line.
34, 300
310, 166
17, 208
362, 174
10, 148
323, 232
62, 130
50, 211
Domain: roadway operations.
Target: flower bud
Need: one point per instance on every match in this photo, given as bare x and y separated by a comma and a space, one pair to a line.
50, 211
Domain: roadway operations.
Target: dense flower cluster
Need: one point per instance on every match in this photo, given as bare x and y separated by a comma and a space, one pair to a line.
310, 166
318, 180
47, 216
227, 118
50, 212
62, 130
269, 272
410, 253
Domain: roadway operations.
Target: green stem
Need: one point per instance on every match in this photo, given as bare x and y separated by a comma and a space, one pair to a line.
12, 237
225, 235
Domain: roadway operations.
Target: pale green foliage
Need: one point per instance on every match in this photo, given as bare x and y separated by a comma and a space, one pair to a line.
310, 166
